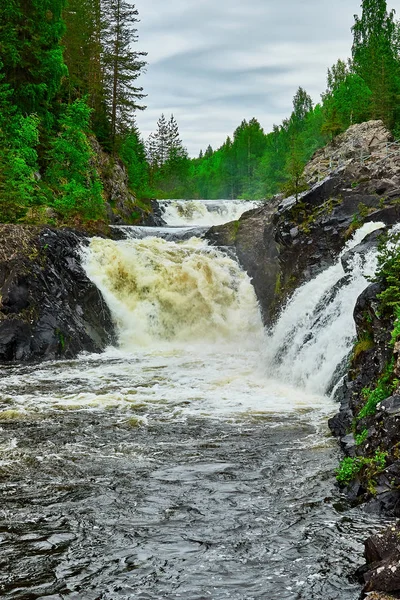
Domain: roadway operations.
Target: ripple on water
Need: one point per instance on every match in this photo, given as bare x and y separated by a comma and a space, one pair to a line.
122, 488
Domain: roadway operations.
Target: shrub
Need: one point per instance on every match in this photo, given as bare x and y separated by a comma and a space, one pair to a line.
350, 467
385, 387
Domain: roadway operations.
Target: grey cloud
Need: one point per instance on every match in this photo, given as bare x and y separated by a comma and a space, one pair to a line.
213, 63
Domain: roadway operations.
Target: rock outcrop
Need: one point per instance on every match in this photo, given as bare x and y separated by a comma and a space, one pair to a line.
381, 575
123, 208
48, 306
289, 241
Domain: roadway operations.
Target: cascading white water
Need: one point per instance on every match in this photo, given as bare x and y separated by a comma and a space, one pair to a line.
193, 308
315, 331
166, 291
178, 213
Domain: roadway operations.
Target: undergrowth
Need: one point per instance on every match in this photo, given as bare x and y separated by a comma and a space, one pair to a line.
349, 468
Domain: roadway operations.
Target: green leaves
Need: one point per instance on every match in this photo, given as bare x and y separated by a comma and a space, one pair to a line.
349, 468
77, 187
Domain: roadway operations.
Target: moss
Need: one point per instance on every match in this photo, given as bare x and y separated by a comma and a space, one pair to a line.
361, 437
61, 340
363, 345
278, 284
385, 386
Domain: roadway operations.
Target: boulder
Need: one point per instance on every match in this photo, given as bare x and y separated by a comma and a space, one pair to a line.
49, 308
382, 554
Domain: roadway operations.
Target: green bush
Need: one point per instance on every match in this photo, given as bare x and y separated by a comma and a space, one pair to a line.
350, 467
77, 186
384, 388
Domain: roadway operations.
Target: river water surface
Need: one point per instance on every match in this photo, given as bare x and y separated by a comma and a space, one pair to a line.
194, 460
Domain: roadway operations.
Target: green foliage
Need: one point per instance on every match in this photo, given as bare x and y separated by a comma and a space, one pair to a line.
75, 181
30, 34
385, 386
349, 468
375, 60
388, 274
133, 154
395, 335
361, 437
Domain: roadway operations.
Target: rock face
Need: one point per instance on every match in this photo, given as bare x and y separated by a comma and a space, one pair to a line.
365, 148
122, 206
382, 573
49, 308
289, 241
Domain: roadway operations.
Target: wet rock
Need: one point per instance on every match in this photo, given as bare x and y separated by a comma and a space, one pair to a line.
49, 308
382, 553
155, 218
369, 243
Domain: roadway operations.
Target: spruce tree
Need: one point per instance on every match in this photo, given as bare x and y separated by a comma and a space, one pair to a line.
122, 64
374, 58
30, 34
83, 54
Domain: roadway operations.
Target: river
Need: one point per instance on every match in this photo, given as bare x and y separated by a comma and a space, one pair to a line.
193, 461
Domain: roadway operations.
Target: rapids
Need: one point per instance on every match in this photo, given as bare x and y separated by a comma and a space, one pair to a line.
192, 461
179, 213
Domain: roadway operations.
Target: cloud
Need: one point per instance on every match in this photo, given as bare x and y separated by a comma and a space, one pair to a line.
213, 64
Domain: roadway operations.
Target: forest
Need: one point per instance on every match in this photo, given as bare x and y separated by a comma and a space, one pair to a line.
68, 79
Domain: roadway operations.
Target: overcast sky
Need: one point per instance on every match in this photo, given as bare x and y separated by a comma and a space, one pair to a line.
213, 63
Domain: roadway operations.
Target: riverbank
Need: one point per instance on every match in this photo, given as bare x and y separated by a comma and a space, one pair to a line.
51, 309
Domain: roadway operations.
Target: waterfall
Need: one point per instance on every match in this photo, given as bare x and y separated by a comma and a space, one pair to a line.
176, 293
178, 213
161, 291
315, 331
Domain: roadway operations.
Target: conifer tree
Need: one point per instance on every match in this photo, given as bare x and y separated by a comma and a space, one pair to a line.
30, 34
122, 64
133, 153
83, 55
374, 58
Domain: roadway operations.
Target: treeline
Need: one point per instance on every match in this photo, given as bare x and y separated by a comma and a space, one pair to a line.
67, 73
253, 164
68, 77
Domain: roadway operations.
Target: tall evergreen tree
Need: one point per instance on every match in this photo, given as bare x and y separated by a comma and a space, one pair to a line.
30, 34
84, 58
122, 64
374, 57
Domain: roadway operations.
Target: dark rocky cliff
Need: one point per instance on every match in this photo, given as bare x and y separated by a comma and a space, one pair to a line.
48, 306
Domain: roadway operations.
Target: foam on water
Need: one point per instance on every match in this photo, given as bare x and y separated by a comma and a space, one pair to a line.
161, 291
204, 212
315, 332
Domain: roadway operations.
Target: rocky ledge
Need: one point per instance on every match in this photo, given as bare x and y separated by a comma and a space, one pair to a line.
289, 241
48, 307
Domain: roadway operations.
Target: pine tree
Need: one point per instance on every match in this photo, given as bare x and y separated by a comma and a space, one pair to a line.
158, 143
30, 34
374, 58
122, 64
